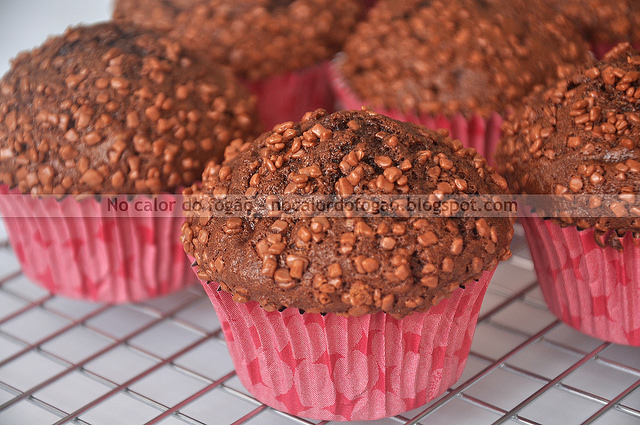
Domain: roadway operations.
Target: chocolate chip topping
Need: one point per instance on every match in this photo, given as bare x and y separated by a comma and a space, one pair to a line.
467, 56
604, 20
257, 38
113, 109
354, 265
580, 136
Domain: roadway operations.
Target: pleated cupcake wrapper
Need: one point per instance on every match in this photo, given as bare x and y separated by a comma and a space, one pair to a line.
592, 289
599, 48
476, 131
287, 97
345, 369
70, 249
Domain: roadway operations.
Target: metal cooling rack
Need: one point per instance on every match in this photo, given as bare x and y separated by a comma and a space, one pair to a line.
165, 362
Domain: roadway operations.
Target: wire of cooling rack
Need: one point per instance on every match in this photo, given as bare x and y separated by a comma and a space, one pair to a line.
165, 362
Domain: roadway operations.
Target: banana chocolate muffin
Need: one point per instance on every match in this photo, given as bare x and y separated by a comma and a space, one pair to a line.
390, 300
577, 143
109, 109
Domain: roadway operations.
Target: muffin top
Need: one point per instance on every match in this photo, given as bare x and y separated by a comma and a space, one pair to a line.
110, 108
581, 136
257, 38
397, 263
457, 56
604, 20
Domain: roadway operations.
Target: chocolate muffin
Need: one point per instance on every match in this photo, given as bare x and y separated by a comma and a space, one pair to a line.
358, 265
457, 56
580, 136
576, 141
257, 38
111, 108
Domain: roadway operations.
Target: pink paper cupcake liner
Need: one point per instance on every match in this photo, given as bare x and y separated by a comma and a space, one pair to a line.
477, 132
599, 48
349, 368
289, 96
70, 249
595, 290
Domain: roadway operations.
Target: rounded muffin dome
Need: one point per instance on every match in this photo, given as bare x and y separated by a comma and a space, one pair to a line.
351, 265
581, 136
111, 108
257, 38
457, 56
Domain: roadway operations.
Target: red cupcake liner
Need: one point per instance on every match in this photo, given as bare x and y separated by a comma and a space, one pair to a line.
72, 250
592, 289
287, 97
349, 368
600, 48
477, 132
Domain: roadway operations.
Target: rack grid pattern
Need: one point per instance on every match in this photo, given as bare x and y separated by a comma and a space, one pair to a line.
165, 362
